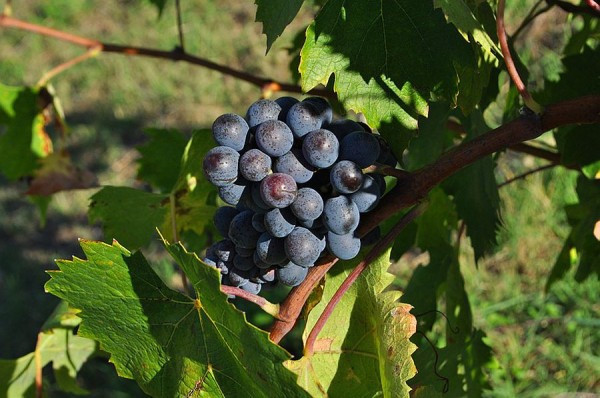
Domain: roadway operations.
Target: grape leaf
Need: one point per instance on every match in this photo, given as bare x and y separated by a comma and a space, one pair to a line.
128, 214
171, 344
578, 145
430, 142
22, 137
161, 157
476, 195
405, 41
364, 349
57, 173
275, 16
56, 344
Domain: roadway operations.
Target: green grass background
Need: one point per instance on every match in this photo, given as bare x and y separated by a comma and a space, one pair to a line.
546, 344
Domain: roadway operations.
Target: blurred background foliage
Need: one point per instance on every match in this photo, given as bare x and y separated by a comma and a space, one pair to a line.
546, 343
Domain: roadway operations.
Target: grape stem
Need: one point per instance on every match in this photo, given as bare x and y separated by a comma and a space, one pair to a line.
379, 248
177, 54
591, 9
415, 186
268, 307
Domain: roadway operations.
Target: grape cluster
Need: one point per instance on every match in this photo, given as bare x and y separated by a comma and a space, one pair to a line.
295, 182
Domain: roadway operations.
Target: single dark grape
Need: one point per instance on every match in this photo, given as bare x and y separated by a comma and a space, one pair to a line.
302, 247
346, 176
308, 204
270, 249
224, 266
230, 130
294, 164
342, 128
236, 278
279, 222
255, 165
278, 190
341, 215
251, 287
210, 261
303, 118
261, 111
243, 263
386, 156
258, 222
367, 197
291, 275
320, 148
225, 250
260, 205
222, 219
361, 148
241, 252
241, 231
274, 138
285, 103
232, 193
345, 247
325, 111
266, 275
221, 165
259, 262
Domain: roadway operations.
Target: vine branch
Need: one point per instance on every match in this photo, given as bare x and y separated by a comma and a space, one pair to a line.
172, 55
268, 307
386, 241
526, 174
413, 187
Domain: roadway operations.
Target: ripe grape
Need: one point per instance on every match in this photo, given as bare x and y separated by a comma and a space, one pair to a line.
303, 118
270, 249
320, 148
243, 263
285, 103
342, 128
261, 111
255, 165
225, 250
361, 148
221, 165
291, 274
224, 266
230, 130
251, 287
302, 247
341, 215
345, 247
232, 193
367, 197
346, 176
279, 222
274, 138
294, 164
258, 204
241, 252
266, 275
308, 204
325, 111
241, 231
278, 190
259, 262
222, 219
258, 222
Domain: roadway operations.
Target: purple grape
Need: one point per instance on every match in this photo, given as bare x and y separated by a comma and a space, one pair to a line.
274, 138
342, 128
346, 176
221, 165
320, 148
252, 287
222, 219
291, 275
255, 165
325, 111
278, 190
266, 275
225, 250
259, 262
279, 222
361, 148
294, 164
241, 252
285, 103
232, 193
241, 231
308, 204
345, 247
303, 118
243, 263
367, 197
230, 130
341, 215
258, 222
261, 111
270, 249
302, 247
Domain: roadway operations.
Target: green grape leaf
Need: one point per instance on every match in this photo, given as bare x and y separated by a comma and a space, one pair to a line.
128, 214
171, 344
22, 137
364, 348
461, 16
475, 193
578, 145
431, 139
473, 84
576, 80
275, 16
56, 344
160, 159
406, 41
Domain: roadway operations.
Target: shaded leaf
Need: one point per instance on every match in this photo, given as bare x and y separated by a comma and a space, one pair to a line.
57, 173
159, 164
578, 145
431, 139
171, 344
364, 348
275, 16
128, 214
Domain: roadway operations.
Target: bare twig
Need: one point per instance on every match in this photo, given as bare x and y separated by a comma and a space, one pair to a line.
531, 16
528, 173
91, 52
268, 307
510, 64
379, 248
179, 25
573, 8
173, 55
